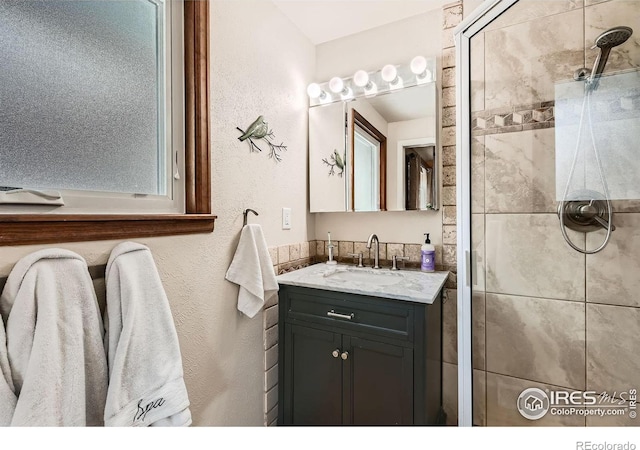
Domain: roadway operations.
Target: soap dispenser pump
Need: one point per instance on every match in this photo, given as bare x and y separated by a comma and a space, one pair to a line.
427, 256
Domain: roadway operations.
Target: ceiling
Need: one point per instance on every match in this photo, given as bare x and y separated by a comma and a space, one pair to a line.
323, 21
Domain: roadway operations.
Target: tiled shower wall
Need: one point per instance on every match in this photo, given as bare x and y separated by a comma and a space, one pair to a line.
544, 315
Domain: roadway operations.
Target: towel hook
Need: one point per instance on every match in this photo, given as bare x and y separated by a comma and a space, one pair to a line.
247, 211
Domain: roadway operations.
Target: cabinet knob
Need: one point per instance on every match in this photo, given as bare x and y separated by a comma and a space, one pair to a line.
335, 353
344, 355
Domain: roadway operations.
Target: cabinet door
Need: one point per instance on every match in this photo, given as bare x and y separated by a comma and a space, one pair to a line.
313, 377
378, 383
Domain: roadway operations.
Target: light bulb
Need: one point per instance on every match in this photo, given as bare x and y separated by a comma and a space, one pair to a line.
314, 90
389, 73
361, 78
418, 65
336, 85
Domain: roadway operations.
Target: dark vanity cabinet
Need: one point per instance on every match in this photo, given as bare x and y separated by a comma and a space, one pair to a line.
349, 359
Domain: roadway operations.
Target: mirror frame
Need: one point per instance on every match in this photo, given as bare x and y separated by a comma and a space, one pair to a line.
358, 119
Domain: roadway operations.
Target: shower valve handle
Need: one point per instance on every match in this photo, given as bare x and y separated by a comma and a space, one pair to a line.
603, 223
591, 212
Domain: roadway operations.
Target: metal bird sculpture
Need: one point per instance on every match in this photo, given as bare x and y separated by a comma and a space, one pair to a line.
258, 129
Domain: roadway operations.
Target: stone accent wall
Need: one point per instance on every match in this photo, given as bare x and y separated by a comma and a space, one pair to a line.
452, 16
290, 257
270, 318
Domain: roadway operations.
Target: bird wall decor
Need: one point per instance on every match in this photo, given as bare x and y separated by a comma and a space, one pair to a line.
259, 129
335, 160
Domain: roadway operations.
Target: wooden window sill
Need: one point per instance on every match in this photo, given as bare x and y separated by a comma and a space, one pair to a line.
25, 229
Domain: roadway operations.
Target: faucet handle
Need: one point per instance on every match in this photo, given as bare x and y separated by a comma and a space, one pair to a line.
395, 260
359, 256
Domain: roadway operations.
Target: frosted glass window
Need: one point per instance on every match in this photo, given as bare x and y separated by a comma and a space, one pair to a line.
82, 95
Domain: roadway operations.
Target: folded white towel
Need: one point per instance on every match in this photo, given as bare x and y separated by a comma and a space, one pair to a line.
252, 270
146, 384
7, 396
54, 341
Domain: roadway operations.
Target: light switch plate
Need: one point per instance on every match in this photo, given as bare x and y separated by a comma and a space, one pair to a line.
286, 218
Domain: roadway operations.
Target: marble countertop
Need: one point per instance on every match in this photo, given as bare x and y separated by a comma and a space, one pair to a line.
406, 284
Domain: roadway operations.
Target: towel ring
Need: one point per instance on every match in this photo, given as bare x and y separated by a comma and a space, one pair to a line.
247, 211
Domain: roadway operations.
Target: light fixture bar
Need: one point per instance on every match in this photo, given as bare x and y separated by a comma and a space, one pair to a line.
391, 77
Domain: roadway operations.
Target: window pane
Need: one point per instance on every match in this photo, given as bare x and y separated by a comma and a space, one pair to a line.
82, 96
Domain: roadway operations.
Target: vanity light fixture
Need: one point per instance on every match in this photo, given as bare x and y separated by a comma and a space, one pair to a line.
390, 75
361, 79
390, 78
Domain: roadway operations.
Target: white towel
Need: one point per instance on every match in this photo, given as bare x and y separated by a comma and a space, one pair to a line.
7, 396
146, 385
252, 270
54, 341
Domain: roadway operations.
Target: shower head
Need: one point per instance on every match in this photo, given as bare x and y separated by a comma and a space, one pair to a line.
605, 42
613, 37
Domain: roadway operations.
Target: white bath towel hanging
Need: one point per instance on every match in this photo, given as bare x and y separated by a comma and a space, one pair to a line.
54, 341
252, 270
146, 385
7, 396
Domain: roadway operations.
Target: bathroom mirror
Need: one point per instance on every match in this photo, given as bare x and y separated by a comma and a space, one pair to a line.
375, 153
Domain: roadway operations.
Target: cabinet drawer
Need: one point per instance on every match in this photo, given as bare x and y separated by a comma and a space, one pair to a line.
350, 312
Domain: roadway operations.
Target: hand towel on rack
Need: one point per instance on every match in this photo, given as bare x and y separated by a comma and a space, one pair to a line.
54, 341
252, 270
7, 396
146, 384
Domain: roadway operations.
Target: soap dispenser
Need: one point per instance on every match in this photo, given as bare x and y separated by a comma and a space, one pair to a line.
427, 256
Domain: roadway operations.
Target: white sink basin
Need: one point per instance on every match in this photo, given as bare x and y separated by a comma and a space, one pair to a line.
364, 276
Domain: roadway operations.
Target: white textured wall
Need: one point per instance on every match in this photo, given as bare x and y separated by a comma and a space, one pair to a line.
395, 43
261, 65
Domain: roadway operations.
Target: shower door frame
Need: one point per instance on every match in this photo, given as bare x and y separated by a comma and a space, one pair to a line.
463, 33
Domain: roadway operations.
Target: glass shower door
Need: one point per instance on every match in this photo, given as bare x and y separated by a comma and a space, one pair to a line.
554, 330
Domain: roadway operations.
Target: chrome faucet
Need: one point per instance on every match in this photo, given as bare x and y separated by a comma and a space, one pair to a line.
376, 255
